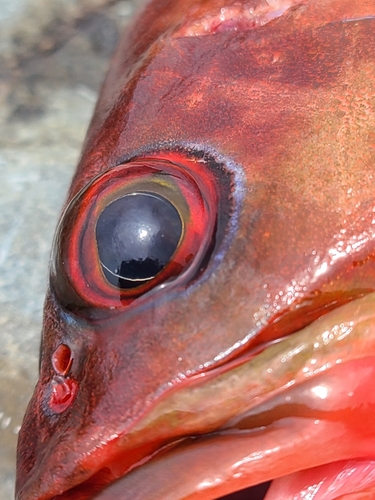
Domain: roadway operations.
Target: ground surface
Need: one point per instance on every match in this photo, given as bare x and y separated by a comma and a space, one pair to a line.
53, 54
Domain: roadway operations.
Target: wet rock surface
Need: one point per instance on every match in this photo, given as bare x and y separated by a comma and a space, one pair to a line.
53, 55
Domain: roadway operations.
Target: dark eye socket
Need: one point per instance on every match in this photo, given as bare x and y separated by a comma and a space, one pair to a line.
137, 236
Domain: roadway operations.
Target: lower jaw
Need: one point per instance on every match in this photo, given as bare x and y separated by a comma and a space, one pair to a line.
349, 479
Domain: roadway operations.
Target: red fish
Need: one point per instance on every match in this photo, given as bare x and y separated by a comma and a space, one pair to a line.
210, 323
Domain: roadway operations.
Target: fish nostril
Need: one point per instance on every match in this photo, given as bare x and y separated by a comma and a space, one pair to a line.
62, 360
63, 393
64, 388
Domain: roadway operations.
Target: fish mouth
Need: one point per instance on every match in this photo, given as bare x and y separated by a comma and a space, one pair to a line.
297, 415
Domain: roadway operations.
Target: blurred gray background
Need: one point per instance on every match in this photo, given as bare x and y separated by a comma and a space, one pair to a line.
53, 55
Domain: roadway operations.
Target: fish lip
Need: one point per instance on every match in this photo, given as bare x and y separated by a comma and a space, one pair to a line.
354, 307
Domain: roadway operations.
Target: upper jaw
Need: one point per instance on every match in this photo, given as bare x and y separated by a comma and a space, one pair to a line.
297, 387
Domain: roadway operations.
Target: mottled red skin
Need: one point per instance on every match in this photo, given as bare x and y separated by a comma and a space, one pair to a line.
292, 106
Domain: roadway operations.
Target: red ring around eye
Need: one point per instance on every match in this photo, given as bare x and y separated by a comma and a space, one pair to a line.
189, 184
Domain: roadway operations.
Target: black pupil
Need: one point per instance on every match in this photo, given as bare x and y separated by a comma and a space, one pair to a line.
136, 238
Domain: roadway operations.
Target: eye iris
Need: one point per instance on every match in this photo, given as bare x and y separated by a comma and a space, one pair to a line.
136, 238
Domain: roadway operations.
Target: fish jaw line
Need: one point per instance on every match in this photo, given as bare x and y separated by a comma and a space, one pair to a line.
249, 446
186, 424
228, 461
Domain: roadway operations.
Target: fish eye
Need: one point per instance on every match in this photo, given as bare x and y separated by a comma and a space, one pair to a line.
142, 226
137, 236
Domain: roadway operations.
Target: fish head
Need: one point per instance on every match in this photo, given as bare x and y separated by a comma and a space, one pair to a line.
241, 137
